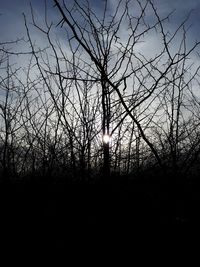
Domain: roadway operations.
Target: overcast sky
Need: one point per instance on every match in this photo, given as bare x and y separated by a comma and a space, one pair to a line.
12, 24
11, 19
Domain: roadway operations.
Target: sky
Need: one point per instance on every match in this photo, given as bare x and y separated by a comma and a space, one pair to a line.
13, 24
12, 20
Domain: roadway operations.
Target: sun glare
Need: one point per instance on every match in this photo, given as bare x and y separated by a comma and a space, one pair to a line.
106, 138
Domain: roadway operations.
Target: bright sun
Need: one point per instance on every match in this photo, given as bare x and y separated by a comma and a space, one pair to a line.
106, 138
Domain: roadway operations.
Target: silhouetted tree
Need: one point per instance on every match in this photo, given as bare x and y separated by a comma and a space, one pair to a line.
92, 79
119, 66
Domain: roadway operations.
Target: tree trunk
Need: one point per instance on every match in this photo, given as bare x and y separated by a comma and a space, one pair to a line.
106, 161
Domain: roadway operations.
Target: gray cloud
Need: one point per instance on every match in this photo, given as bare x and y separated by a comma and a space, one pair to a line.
12, 20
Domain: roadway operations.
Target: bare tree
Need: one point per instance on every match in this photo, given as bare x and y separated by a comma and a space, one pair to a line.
93, 98
117, 63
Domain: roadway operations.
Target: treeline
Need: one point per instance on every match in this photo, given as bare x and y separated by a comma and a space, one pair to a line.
89, 78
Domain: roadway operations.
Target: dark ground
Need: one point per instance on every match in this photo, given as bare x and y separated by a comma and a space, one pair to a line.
49, 214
